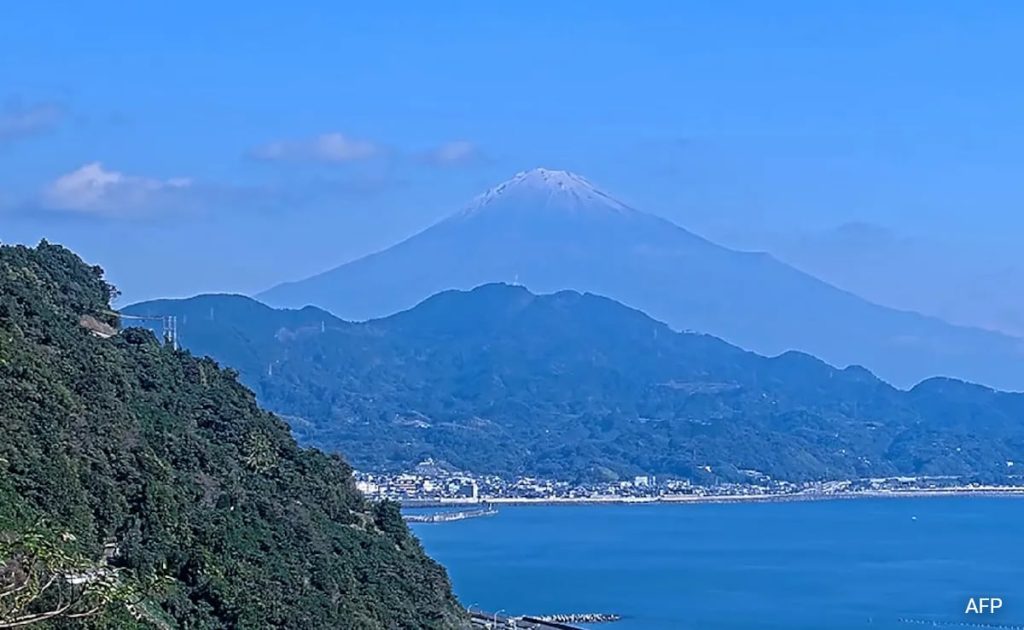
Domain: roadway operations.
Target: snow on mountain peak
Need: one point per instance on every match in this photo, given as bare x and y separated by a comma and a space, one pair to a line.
546, 188
548, 178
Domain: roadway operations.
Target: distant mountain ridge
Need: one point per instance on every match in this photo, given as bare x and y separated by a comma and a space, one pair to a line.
569, 385
552, 230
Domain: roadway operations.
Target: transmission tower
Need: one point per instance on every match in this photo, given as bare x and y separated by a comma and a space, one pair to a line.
171, 331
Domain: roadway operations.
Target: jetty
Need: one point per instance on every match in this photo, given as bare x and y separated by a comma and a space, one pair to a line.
575, 618
447, 517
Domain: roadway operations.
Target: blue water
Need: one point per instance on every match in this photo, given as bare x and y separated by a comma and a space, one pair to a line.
828, 565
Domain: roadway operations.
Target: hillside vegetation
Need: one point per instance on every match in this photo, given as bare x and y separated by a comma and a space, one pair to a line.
576, 386
211, 515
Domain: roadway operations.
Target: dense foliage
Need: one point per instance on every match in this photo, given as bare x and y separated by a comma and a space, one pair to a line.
167, 460
498, 380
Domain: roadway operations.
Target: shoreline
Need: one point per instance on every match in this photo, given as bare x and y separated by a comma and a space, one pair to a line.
736, 498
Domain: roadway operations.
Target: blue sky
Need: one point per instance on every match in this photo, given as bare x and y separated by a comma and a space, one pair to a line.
228, 146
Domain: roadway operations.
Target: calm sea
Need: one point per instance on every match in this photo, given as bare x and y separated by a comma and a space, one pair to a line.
828, 565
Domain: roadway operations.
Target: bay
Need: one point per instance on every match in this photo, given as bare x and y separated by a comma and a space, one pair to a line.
844, 564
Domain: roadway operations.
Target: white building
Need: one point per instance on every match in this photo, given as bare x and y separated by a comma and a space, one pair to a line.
367, 487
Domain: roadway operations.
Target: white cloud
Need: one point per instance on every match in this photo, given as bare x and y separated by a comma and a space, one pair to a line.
19, 120
328, 147
454, 153
92, 189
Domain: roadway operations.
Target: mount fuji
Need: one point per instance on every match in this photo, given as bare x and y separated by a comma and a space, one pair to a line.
551, 230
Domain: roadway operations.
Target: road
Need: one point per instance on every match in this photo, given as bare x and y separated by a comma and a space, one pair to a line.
497, 622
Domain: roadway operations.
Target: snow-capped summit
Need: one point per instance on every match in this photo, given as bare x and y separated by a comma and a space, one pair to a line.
542, 188
550, 230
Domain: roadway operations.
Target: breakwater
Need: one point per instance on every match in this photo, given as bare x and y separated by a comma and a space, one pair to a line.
447, 517
575, 618
961, 624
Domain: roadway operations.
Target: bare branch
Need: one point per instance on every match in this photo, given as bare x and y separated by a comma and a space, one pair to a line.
26, 620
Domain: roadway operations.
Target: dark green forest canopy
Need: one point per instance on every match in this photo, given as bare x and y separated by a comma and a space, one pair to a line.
166, 455
498, 380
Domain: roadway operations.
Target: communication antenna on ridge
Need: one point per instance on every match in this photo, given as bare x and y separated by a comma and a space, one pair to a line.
169, 323
171, 331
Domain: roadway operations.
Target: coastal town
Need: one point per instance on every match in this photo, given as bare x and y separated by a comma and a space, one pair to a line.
432, 484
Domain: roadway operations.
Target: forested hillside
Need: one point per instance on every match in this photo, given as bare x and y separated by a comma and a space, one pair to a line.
143, 487
576, 386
